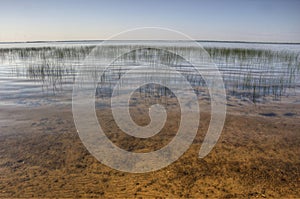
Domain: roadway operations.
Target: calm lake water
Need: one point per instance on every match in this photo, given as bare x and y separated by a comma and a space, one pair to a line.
36, 74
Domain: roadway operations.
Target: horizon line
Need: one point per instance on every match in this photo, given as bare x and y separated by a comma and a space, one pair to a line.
100, 40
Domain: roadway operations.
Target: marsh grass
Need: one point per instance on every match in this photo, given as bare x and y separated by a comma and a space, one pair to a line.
261, 72
251, 73
52, 66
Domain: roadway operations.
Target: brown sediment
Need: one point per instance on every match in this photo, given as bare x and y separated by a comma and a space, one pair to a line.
257, 155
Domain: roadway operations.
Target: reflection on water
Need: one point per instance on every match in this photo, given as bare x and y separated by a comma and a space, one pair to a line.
38, 75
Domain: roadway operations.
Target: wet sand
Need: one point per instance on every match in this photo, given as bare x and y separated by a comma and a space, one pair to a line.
257, 155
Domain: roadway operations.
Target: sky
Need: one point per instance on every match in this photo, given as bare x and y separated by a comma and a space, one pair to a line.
226, 20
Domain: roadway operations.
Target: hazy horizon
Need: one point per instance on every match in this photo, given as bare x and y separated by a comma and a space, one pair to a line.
99, 40
239, 21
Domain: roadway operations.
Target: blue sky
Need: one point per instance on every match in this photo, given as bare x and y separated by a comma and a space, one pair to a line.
246, 20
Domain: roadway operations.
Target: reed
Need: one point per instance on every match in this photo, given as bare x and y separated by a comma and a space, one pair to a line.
251, 73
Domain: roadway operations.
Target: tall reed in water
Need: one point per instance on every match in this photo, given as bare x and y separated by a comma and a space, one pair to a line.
251, 73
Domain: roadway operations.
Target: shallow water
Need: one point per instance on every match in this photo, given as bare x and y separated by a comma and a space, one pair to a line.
43, 156
38, 78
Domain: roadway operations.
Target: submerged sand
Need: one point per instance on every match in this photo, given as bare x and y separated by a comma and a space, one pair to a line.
257, 155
